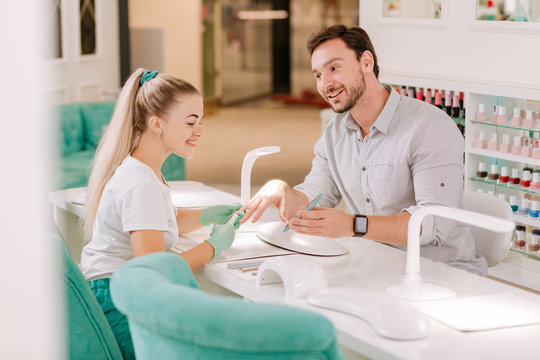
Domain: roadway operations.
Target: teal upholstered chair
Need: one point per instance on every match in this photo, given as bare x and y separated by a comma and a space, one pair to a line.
170, 318
88, 335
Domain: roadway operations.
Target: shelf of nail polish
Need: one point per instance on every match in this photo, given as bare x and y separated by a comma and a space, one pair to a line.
524, 250
504, 156
526, 242
507, 186
505, 126
522, 219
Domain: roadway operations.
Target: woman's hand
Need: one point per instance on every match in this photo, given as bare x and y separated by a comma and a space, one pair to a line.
218, 214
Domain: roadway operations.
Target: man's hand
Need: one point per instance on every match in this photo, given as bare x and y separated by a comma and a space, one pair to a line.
277, 193
322, 221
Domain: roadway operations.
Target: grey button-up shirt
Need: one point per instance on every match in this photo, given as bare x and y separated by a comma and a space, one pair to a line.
412, 157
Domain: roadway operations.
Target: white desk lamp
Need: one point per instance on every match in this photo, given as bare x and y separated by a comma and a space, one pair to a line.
412, 287
249, 160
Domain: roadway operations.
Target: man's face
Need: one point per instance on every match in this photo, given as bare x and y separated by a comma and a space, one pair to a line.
339, 75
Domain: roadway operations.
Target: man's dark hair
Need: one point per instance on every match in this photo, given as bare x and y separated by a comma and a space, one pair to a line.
355, 38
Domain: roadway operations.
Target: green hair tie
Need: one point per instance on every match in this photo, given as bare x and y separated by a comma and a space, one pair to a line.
148, 75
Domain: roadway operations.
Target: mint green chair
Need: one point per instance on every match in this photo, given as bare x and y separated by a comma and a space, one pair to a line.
88, 334
171, 318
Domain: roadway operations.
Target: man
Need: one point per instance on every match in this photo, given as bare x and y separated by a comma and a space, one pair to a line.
386, 155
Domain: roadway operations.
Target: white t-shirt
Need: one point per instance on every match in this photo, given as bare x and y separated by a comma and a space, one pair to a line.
133, 199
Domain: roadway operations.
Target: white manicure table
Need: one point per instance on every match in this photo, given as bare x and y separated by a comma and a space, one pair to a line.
367, 265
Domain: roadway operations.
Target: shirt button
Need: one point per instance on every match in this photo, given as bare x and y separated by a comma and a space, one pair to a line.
367, 200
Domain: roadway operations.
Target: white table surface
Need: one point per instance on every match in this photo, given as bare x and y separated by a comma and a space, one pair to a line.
373, 266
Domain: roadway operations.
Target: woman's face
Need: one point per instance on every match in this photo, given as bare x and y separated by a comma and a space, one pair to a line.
182, 126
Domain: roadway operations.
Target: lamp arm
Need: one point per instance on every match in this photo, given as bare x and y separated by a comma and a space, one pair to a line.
412, 270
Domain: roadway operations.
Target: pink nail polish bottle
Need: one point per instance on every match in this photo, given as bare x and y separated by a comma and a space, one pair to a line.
501, 117
516, 148
494, 116
536, 146
505, 144
528, 122
481, 115
493, 142
480, 142
535, 184
516, 120
526, 146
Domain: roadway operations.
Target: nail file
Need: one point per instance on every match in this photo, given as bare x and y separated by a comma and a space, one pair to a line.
309, 206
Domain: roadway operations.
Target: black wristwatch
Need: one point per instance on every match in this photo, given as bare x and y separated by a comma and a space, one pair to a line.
360, 225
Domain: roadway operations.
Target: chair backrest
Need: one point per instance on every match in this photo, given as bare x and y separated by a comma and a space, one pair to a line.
170, 318
493, 246
89, 335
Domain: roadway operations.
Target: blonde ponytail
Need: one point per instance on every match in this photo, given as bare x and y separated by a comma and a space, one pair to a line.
136, 103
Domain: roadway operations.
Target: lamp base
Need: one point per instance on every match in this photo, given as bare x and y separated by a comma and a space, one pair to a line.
419, 291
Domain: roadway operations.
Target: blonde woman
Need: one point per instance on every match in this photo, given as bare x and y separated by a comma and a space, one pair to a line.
129, 211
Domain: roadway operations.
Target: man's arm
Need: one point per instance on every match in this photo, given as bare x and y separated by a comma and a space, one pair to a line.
390, 229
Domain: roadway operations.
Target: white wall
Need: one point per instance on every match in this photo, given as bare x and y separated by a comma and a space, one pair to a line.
182, 26
486, 54
30, 303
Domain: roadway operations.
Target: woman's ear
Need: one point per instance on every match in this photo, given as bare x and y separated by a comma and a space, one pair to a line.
154, 125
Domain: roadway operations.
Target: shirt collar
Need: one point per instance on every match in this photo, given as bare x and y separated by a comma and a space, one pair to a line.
385, 117
387, 114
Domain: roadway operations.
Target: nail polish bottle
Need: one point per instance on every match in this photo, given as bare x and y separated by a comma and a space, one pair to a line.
481, 173
428, 96
526, 146
534, 246
536, 146
448, 102
534, 212
535, 183
528, 122
513, 204
438, 99
480, 142
504, 178
520, 236
495, 114
526, 179
411, 93
516, 120
403, 91
516, 148
455, 106
524, 208
481, 114
501, 117
493, 143
494, 172
505, 144
420, 95
515, 179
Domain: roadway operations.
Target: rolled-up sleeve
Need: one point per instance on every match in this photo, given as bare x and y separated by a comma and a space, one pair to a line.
320, 179
437, 170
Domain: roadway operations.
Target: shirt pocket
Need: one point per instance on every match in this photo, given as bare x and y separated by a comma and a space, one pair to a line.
389, 183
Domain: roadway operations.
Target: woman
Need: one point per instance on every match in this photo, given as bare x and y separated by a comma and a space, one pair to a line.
129, 210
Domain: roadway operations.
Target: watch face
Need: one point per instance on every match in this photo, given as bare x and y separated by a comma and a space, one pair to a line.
360, 225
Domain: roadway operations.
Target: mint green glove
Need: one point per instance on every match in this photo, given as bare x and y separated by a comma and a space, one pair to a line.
221, 237
218, 214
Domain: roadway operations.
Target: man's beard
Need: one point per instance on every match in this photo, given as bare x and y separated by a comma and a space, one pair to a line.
356, 93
